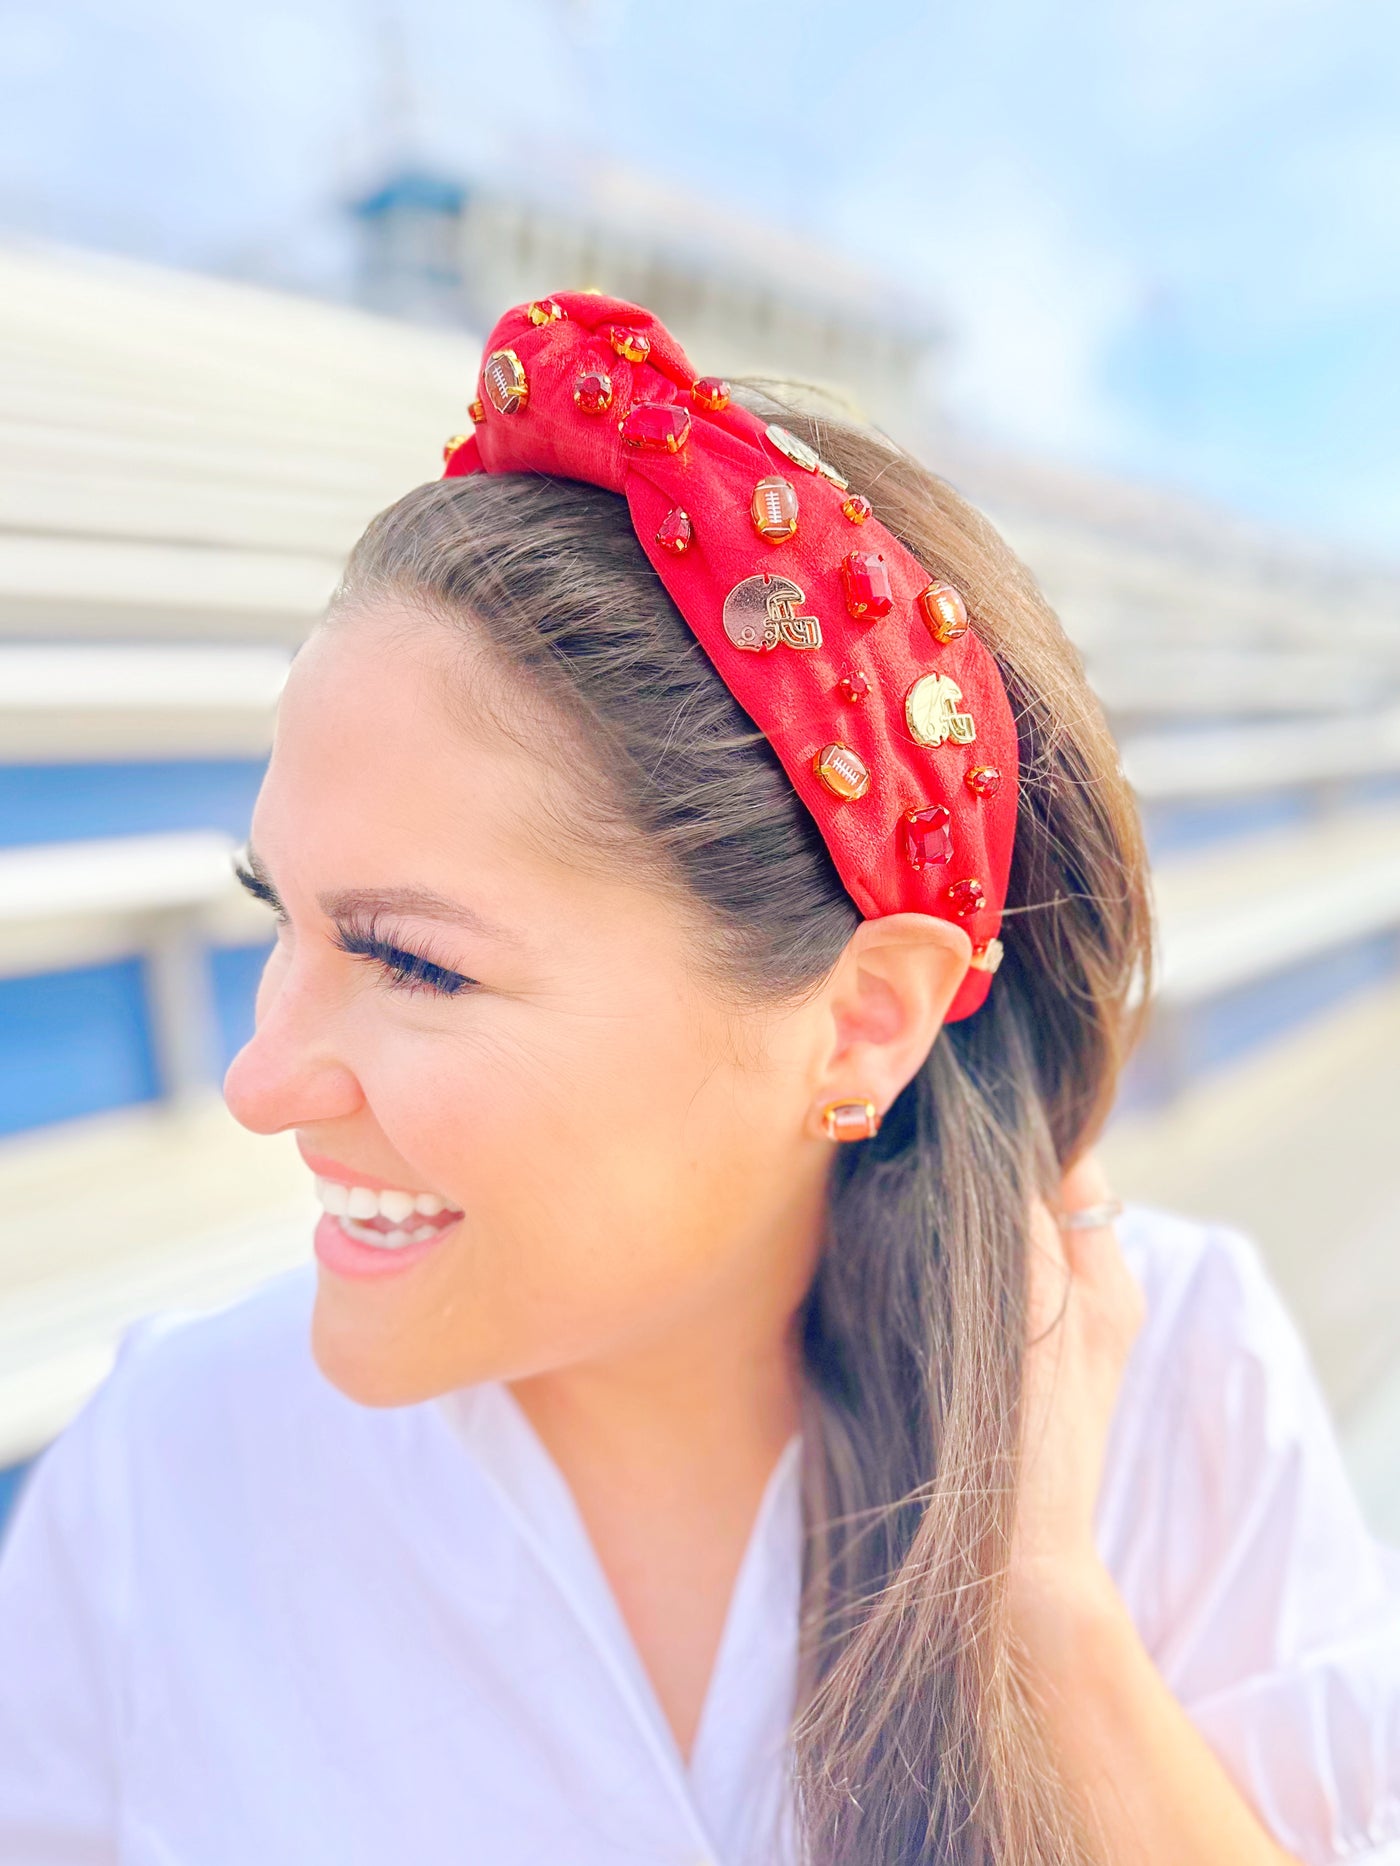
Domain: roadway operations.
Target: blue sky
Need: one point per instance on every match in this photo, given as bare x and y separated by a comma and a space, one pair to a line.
1167, 239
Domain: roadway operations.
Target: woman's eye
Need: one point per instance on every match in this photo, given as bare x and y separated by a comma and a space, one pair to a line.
406, 971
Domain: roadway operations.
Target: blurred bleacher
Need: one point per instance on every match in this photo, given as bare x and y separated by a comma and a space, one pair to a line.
183, 464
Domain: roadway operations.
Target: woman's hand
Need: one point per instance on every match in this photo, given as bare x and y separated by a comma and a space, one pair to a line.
1084, 1310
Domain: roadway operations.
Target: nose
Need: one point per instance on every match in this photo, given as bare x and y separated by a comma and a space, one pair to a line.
289, 1073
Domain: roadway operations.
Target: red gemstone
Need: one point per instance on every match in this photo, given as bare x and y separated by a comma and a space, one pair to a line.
966, 897
711, 392
853, 687
983, 780
867, 585
674, 532
857, 509
593, 391
630, 343
925, 836
659, 425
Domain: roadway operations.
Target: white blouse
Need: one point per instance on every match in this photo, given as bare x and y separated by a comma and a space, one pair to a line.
244, 1619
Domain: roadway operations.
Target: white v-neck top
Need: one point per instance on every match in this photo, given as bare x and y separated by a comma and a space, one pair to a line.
244, 1619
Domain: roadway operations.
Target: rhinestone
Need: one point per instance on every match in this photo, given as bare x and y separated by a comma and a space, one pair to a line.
866, 581
593, 391
630, 344
674, 532
988, 956
711, 392
545, 311
843, 771
774, 509
477, 411
662, 426
925, 836
983, 780
853, 687
944, 611
966, 897
857, 509
450, 447
503, 379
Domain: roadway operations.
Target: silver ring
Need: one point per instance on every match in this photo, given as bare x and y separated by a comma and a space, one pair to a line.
1092, 1217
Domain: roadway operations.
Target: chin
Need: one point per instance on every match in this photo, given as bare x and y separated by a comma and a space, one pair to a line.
365, 1362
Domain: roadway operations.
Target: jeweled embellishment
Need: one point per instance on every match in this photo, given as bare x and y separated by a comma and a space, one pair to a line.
944, 611
630, 343
853, 687
844, 772
674, 532
449, 447
545, 311
828, 471
925, 836
503, 379
988, 956
966, 897
593, 391
711, 392
931, 712
774, 510
762, 611
856, 509
662, 426
865, 578
983, 780
795, 448
477, 411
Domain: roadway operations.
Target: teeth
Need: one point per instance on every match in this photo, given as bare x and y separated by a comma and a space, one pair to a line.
395, 1205
382, 1240
363, 1202
428, 1203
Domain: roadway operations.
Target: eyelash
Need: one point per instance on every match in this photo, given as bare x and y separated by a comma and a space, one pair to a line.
406, 971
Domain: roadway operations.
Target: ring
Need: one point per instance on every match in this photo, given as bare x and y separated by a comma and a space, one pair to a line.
1092, 1217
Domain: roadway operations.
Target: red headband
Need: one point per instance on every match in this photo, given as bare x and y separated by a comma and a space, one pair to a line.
888, 713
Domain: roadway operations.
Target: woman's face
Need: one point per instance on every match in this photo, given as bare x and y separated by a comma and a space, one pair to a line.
631, 1157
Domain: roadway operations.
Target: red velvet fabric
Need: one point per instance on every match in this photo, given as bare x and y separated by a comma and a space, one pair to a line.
792, 695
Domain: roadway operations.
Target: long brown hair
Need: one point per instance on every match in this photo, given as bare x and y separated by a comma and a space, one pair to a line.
913, 1740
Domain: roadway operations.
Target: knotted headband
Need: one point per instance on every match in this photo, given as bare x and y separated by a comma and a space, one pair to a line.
865, 674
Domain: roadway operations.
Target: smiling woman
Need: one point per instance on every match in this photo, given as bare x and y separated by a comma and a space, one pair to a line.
724, 1423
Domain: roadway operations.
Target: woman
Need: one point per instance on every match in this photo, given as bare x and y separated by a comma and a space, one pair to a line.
722, 1423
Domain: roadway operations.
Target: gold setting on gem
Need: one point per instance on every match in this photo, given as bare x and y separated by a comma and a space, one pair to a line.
988, 957
450, 446
843, 771
504, 380
850, 1120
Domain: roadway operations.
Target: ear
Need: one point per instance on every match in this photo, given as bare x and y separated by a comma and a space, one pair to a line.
884, 1006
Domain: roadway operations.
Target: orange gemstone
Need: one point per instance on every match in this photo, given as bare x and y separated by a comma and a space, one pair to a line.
674, 532
662, 426
843, 771
988, 956
503, 379
966, 897
630, 343
774, 509
867, 584
925, 836
944, 611
450, 447
711, 392
545, 311
983, 780
477, 411
857, 509
853, 687
593, 391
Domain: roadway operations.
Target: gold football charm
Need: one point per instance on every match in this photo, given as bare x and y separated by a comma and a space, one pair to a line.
844, 772
931, 712
503, 379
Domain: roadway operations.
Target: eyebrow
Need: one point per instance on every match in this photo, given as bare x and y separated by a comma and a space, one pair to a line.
416, 903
